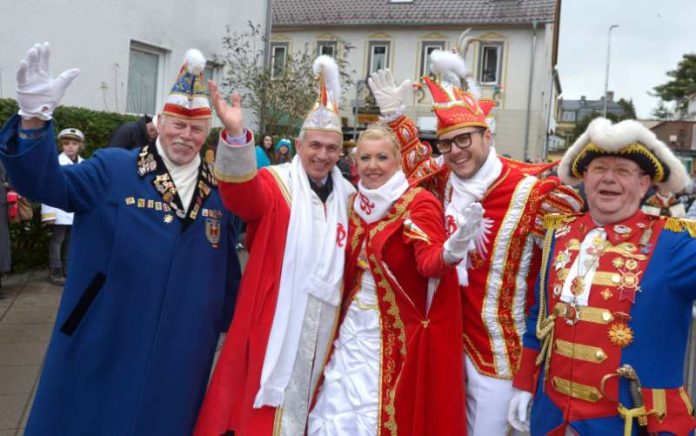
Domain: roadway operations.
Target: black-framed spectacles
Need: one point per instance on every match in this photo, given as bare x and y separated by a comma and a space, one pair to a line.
462, 141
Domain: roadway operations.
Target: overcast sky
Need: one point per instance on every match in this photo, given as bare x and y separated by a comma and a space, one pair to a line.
651, 39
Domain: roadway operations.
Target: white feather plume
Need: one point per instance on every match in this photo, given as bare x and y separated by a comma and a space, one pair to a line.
328, 65
447, 63
194, 61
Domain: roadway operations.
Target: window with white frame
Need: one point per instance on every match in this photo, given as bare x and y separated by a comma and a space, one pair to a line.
145, 78
490, 63
378, 56
212, 72
428, 47
279, 56
326, 48
568, 116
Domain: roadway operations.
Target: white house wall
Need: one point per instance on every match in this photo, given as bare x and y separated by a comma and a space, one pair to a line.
95, 35
405, 60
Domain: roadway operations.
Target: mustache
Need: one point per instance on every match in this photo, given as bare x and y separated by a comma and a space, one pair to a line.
179, 142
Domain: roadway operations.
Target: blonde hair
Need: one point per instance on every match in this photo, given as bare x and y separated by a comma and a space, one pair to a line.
377, 132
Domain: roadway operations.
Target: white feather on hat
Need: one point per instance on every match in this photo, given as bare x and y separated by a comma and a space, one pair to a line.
612, 139
327, 66
324, 115
445, 63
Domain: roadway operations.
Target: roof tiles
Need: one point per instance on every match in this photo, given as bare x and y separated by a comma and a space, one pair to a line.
418, 12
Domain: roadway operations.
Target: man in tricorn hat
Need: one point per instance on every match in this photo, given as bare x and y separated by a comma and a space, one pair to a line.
153, 273
297, 222
470, 178
605, 342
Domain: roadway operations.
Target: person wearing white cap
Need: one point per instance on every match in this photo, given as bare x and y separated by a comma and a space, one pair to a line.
289, 298
71, 141
605, 342
153, 270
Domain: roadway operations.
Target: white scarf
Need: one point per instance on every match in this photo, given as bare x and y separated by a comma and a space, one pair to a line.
372, 204
307, 270
184, 176
467, 191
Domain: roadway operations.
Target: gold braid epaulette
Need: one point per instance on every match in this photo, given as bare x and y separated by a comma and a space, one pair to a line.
680, 224
552, 221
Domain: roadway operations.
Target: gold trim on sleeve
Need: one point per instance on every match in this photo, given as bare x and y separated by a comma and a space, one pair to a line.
659, 405
685, 397
235, 179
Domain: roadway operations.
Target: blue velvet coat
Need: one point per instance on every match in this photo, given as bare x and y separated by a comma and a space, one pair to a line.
149, 289
644, 288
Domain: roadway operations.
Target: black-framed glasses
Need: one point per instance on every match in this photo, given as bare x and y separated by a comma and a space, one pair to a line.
462, 141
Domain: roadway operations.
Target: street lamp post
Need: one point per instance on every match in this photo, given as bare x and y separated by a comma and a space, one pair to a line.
606, 76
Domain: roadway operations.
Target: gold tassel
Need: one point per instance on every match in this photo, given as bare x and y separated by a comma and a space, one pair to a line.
553, 221
690, 226
677, 225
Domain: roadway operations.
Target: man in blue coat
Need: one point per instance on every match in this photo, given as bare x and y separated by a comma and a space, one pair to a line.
154, 272
606, 339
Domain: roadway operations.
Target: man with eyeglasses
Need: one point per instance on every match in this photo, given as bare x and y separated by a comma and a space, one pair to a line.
605, 342
496, 279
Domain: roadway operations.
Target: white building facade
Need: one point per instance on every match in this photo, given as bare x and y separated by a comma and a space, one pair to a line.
129, 52
513, 59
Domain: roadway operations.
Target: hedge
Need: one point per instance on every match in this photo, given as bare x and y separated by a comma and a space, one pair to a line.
29, 240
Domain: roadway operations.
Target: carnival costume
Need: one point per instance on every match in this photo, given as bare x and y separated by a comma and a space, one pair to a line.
291, 288
605, 344
392, 371
496, 285
152, 277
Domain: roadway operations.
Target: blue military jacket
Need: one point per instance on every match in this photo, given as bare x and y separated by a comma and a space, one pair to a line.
149, 289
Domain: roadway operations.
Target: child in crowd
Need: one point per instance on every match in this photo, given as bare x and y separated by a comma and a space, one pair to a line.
71, 142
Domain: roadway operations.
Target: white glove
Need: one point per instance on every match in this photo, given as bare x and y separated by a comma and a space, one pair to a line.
464, 239
389, 97
518, 410
37, 92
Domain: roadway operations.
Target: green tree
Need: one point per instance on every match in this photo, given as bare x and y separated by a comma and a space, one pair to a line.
581, 125
681, 84
279, 98
662, 112
629, 110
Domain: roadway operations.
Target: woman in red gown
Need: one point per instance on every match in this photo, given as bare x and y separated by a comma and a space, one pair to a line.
396, 366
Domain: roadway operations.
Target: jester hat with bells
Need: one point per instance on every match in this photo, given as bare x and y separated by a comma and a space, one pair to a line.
325, 113
454, 106
628, 139
189, 95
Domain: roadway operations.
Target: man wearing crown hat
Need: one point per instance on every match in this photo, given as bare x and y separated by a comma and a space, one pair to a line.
296, 215
605, 341
153, 270
496, 286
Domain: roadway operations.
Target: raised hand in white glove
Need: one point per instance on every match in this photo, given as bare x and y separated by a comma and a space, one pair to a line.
389, 97
37, 92
471, 225
518, 410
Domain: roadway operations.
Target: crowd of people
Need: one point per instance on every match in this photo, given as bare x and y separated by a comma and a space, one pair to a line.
387, 291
